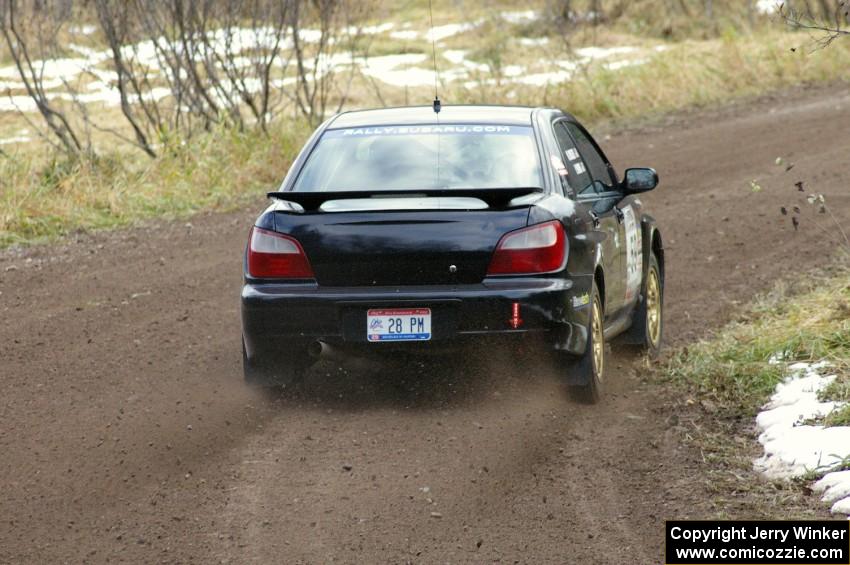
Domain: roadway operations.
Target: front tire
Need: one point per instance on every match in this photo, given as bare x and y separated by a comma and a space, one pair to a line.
589, 369
647, 329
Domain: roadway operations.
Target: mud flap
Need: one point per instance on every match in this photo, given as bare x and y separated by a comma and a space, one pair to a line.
570, 339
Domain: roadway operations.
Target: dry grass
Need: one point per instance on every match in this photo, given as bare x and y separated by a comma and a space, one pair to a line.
732, 370
718, 385
42, 197
689, 74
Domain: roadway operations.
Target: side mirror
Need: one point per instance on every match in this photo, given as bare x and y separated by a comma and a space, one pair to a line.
640, 180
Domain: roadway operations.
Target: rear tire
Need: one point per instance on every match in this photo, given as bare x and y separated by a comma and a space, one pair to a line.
589, 369
286, 374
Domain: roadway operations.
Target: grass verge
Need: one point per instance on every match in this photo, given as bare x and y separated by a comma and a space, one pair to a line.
719, 384
46, 197
734, 372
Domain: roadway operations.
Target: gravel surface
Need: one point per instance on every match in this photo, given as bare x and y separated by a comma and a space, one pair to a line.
127, 433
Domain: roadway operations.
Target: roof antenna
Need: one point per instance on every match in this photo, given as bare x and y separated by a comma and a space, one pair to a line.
437, 105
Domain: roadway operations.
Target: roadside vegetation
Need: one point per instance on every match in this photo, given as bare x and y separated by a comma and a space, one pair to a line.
45, 196
151, 129
719, 384
736, 370
683, 75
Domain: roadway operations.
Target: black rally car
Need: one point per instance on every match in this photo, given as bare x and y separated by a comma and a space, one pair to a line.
407, 228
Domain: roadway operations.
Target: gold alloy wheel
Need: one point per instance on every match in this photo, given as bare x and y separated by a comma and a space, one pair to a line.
653, 308
598, 339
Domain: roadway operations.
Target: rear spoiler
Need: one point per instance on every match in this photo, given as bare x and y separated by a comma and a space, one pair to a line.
494, 197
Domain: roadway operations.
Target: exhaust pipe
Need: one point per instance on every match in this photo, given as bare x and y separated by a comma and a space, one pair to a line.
319, 349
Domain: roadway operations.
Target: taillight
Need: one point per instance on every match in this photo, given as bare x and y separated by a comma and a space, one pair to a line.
537, 249
273, 255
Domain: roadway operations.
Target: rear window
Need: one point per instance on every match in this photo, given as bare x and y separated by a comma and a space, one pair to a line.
422, 157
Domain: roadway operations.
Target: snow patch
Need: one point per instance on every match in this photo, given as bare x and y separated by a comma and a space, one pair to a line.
520, 17
512, 70
792, 447
57, 73
542, 79
585, 56
372, 30
405, 34
458, 57
50, 69
768, 6
22, 137
533, 41
17, 103
593, 53
617, 65
83, 29
442, 32
386, 69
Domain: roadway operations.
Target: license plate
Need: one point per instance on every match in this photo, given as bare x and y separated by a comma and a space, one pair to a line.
409, 324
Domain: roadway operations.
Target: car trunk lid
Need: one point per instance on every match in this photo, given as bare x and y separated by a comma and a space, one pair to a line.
352, 240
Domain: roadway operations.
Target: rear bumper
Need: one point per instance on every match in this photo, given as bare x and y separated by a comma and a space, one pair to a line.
276, 316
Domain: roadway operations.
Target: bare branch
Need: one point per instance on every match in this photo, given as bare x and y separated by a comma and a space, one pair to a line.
32, 73
828, 30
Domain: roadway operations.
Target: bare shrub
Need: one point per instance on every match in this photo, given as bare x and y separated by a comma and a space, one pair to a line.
183, 66
827, 18
340, 36
30, 30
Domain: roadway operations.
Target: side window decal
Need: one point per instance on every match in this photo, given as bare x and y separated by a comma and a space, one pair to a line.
595, 162
577, 175
560, 168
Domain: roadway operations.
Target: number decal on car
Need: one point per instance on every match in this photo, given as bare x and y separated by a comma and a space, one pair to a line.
634, 254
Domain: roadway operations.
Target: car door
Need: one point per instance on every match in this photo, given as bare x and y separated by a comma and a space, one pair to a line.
627, 210
599, 203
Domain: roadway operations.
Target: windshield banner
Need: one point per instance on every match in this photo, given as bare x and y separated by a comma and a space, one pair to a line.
442, 129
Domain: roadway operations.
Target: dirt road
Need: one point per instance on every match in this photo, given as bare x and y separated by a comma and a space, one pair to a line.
126, 433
